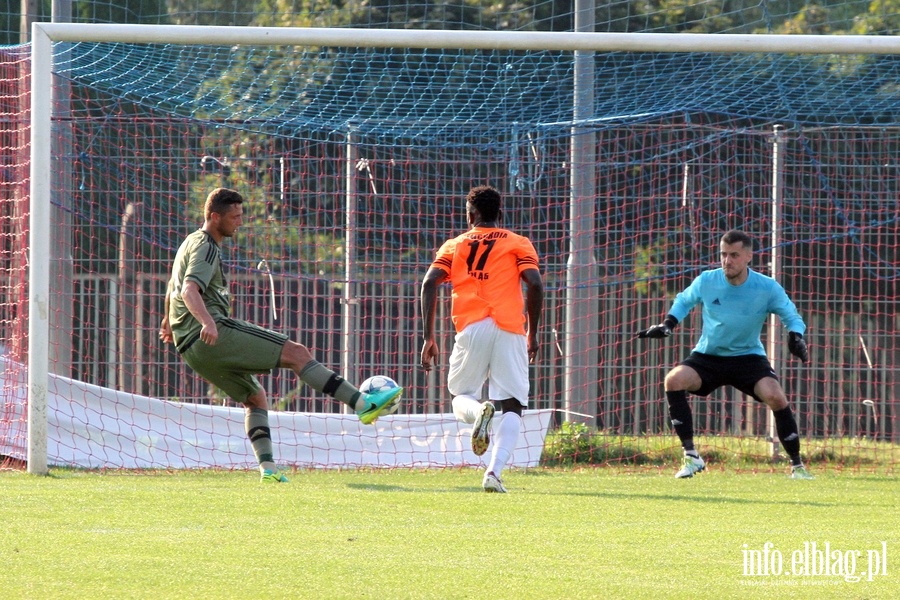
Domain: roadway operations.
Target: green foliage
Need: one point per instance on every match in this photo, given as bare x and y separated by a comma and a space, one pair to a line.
565, 445
130, 11
287, 243
576, 444
670, 16
811, 20
210, 12
883, 18
648, 268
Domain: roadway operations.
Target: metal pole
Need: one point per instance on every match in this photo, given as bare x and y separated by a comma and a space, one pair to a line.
62, 269
774, 347
580, 363
125, 282
29, 10
39, 251
566, 41
349, 300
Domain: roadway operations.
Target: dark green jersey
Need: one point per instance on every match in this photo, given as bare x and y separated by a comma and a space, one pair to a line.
198, 260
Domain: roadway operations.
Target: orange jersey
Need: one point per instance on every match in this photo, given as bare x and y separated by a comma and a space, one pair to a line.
485, 266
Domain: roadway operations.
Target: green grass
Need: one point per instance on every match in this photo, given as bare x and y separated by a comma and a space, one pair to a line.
590, 533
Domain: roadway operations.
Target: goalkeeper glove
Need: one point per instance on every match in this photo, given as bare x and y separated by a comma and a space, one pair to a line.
797, 346
663, 330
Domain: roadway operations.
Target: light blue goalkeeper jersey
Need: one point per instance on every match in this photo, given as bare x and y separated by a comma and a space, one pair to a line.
733, 315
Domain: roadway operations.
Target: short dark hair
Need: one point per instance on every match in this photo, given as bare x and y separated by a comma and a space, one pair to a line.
487, 200
220, 199
734, 236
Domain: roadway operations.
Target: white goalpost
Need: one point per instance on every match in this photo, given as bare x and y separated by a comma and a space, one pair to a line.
44, 35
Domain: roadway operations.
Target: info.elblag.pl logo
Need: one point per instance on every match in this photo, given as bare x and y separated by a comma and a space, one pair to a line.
815, 560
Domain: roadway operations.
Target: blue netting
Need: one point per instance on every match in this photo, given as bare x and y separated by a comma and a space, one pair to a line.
416, 96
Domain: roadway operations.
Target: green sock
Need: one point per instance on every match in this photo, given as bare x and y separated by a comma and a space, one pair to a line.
322, 379
256, 423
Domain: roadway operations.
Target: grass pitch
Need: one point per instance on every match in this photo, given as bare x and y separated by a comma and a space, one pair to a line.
387, 534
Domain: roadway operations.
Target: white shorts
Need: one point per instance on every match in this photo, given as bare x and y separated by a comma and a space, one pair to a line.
482, 351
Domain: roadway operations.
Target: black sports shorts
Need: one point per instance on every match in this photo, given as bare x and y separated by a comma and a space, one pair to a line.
740, 372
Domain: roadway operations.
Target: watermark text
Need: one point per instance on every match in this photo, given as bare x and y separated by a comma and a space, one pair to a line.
814, 559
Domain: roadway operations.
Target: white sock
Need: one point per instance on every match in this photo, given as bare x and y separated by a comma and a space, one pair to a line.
506, 436
466, 408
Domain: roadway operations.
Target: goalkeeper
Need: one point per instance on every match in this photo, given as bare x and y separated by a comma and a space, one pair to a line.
228, 352
735, 304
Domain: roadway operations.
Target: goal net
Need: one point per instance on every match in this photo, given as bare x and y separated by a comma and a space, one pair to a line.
623, 157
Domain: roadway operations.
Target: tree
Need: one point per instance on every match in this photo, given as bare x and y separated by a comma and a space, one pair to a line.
120, 11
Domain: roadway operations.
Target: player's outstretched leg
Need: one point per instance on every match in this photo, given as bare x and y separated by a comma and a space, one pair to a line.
368, 407
376, 403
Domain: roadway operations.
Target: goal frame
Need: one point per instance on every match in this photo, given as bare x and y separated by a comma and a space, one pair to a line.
45, 34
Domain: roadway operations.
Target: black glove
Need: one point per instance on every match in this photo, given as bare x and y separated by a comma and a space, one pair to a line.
663, 330
797, 346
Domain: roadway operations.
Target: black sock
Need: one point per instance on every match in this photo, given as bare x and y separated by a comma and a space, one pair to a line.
256, 424
322, 379
681, 418
788, 433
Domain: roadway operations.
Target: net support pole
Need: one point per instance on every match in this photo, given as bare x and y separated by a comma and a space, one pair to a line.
349, 300
775, 264
39, 251
580, 389
62, 266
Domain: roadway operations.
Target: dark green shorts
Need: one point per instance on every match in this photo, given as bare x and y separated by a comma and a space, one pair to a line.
242, 351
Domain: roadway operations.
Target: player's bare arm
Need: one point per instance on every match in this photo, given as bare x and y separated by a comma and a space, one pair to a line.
165, 329
534, 307
190, 293
428, 298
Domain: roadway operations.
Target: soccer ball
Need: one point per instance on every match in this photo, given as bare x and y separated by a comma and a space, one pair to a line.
377, 383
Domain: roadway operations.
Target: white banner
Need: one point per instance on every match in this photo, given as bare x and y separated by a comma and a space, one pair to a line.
95, 427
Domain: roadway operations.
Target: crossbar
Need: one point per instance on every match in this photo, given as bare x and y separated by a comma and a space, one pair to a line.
484, 40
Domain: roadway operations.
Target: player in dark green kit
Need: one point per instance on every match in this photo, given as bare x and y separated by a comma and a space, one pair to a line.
228, 352
735, 301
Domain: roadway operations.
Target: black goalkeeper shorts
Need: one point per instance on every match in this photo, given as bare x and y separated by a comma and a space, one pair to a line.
740, 372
